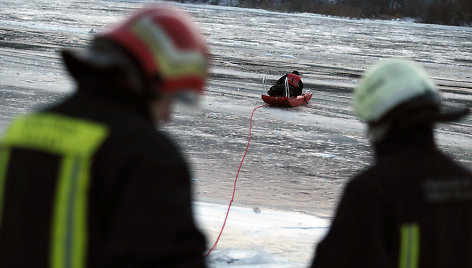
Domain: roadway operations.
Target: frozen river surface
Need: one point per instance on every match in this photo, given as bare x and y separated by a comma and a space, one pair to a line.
299, 159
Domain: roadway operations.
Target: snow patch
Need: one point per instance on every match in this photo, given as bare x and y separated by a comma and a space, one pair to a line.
259, 237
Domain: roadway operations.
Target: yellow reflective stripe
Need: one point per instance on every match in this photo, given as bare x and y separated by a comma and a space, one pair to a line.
409, 245
76, 140
81, 211
69, 222
172, 63
4, 157
55, 133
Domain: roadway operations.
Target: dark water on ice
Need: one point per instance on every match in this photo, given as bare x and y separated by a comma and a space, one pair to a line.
299, 159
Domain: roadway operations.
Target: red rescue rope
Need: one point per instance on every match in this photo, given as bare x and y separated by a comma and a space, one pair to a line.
235, 180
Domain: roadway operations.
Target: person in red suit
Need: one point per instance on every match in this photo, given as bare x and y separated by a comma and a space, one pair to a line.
294, 82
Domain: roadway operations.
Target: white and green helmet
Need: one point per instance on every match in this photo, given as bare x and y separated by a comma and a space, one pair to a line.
388, 84
393, 82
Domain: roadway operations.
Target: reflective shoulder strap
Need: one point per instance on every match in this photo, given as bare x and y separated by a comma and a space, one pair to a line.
76, 140
409, 245
56, 134
4, 157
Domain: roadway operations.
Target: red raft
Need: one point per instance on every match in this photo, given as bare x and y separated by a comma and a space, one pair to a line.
286, 101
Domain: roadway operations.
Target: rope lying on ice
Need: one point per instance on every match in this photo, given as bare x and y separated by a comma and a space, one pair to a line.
235, 180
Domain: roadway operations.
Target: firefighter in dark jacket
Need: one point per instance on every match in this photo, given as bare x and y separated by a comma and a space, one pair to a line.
413, 207
294, 83
90, 182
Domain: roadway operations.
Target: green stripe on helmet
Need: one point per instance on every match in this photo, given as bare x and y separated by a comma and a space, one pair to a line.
172, 62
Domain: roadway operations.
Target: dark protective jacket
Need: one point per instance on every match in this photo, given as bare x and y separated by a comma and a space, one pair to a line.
91, 183
413, 208
279, 88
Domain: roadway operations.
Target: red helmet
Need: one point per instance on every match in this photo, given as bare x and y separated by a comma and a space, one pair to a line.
168, 45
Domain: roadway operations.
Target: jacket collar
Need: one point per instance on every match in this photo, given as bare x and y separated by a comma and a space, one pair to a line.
419, 138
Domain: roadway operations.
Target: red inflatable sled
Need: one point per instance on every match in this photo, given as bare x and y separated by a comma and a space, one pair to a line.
285, 101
